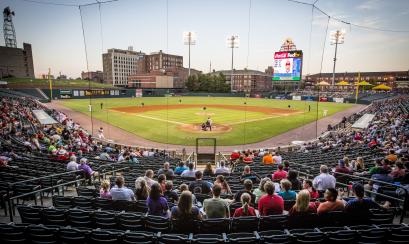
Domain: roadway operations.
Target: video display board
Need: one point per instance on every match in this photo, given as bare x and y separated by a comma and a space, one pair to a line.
288, 65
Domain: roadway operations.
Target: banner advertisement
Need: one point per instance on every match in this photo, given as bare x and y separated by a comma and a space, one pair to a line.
297, 98
323, 99
138, 92
338, 99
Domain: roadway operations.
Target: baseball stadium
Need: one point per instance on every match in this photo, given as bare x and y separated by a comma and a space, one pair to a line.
195, 143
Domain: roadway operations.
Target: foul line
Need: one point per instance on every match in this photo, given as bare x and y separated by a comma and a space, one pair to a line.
163, 120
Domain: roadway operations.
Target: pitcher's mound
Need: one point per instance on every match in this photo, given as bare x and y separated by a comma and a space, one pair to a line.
197, 128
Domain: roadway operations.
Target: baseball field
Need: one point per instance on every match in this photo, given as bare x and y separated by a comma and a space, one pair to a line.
178, 120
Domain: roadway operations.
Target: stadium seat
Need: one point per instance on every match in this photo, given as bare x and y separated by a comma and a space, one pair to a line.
30, 214
244, 224
53, 216
277, 222
102, 203
243, 237
103, 236
275, 236
210, 226
42, 234
72, 236
12, 234
83, 203
172, 238
209, 238
79, 218
105, 220
130, 221
62, 202
130, 237
157, 224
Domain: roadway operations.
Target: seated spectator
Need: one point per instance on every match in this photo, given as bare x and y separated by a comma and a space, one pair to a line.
271, 203
185, 212
359, 164
248, 186
259, 192
341, 168
286, 166
247, 159
104, 190
200, 183
324, 180
279, 174
307, 185
162, 182
359, 207
277, 157
302, 204
149, 178
267, 158
180, 168
141, 189
249, 175
398, 172
166, 171
378, 168
183, 187
120, 192
105, 156
222, 169
331, 202
234, 155
156, 203
208, 171
245, 209
392, 157
293, 178
190, 172
220, 180
286, 193
72, 165
170, 195
86, 168
216, 207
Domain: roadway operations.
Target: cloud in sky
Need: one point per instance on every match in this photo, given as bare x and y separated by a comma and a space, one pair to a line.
369, 5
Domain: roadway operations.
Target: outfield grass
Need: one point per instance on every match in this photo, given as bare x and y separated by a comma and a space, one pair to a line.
168, 132
44, 83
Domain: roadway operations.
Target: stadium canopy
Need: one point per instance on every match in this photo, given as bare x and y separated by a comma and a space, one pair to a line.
382, 87
343, 83
323, 83
364, 83
43, 117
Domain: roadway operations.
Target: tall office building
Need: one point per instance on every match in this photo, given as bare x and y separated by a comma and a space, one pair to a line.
119, 64
16, 62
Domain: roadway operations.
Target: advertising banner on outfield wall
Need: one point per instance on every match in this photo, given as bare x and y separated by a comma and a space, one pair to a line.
338, 99
323, 99
297, 98
138, 92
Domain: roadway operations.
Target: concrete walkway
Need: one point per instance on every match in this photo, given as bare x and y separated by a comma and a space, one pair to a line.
118, 135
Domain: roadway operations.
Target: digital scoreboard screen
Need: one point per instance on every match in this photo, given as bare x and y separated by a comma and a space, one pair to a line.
287, 65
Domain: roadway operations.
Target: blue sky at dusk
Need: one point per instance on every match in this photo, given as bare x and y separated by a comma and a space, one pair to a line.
56, 35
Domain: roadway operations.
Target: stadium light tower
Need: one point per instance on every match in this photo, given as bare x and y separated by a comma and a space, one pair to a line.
189, 38
233, 42
8, 28
337, 37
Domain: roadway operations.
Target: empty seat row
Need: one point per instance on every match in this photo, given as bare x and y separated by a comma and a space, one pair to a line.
22, 233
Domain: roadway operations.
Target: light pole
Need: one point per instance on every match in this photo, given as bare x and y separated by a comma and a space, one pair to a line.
232, 42
189, 38
337, 37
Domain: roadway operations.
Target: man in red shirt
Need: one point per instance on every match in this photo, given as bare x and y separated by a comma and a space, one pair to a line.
271, 203
235, 155
279, 174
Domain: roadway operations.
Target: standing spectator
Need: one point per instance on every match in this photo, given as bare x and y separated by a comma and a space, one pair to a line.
149, 178
170, 195
293, 178
199, 183
324, 180
101, 133
104, 190
120, 192
287, 194
180, 168
271, 203
208, 171
72, 165
259, 192
216, 207
190, 172
141, 189
245, 209
157, 205
248, 187
302, 204
166, 171
331, 203
279, 174
222, 169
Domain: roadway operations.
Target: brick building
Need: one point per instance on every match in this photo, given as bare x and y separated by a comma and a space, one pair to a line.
249, 81
16, 62
97, 76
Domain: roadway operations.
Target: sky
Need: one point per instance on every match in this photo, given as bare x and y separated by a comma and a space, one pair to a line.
262, 26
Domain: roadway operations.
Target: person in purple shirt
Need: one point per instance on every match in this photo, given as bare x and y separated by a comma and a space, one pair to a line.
157, 204
87, 169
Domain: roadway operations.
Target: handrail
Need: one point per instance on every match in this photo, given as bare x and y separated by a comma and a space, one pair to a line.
189, 158
44, 177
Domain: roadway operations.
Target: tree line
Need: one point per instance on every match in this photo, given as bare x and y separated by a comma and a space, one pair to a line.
207, 83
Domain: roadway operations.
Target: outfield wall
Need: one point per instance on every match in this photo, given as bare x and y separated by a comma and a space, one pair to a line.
86, 93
